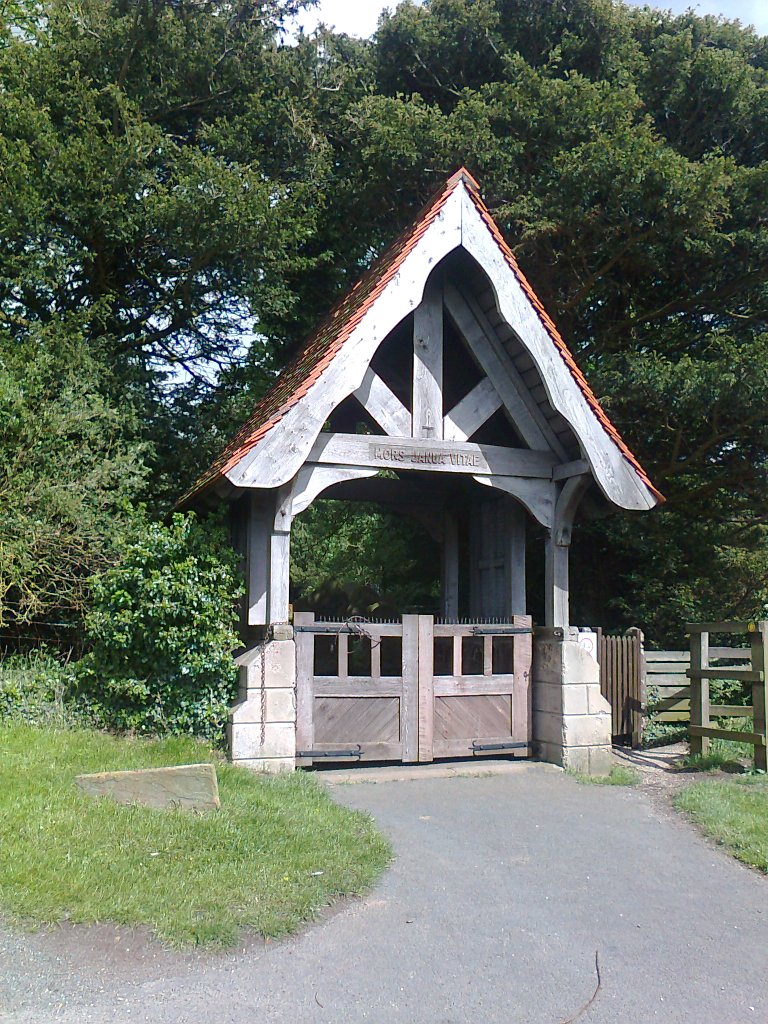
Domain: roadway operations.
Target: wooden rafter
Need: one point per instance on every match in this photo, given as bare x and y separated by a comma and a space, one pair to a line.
428, 364
383, 405
487, 349
472, 411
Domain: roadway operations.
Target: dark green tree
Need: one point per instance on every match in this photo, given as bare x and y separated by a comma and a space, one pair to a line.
71, 466
185, 190
622, 151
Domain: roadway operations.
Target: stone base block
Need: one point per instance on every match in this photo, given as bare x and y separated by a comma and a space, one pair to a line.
571, 718
270, 765
280, 707
274, 662
552, 753
586, 730
576, 759
600, 760
268, 688
279, 740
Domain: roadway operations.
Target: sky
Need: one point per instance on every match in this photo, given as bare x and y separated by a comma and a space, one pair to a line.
359, 17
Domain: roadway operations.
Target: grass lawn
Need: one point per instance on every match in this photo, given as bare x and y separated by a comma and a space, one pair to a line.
277, 851
734, 813
724, 753
620, 775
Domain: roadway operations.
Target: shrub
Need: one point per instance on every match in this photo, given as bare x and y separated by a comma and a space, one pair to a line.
34, 688
162, 629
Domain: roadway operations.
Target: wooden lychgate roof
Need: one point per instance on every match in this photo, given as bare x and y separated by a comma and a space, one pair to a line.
276, 439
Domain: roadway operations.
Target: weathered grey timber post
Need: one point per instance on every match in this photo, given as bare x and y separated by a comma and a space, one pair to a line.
449, 577
556, 582
571, 718
759, 644
518, 604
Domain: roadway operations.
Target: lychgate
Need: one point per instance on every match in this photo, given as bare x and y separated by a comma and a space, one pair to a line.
440, 387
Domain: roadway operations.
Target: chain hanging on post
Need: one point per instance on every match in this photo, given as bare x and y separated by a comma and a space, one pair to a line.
355, 625
262, 648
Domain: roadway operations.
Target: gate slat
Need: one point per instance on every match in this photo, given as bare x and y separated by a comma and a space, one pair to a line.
409, 709
522, 694
305, 697
622, 682
426, 688
626, 687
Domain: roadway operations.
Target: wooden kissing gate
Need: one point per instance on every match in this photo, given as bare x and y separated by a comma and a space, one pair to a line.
622, 682
702, 672
411, 690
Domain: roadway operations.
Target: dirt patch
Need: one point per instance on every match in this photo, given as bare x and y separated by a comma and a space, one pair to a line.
662, 775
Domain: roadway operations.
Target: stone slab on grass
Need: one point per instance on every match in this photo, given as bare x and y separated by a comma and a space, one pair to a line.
189, 787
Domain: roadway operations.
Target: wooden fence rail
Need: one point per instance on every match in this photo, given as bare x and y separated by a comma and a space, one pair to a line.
701, 671
667, 675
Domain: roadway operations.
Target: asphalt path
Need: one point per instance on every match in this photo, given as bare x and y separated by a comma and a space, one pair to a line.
504, 893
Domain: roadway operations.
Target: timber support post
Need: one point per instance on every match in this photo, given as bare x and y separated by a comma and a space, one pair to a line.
262, 724
759, 644
558, 543
699, 692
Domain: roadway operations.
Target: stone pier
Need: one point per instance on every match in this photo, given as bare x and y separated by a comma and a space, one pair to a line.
267, 691
571, 718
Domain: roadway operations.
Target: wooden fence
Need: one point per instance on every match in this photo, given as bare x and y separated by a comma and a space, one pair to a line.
702, 671
622, 683
669, 687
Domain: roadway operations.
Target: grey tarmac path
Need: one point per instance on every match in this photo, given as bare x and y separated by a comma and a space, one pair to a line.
502, 890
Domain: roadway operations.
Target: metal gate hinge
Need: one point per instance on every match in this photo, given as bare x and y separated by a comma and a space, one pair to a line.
496, 746
500, 630
356, 751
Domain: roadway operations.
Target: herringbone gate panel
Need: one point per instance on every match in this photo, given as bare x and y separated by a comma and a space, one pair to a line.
416, 715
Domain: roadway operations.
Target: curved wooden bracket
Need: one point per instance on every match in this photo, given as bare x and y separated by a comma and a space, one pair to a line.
536, 496
556, 596
566, 506
312, 479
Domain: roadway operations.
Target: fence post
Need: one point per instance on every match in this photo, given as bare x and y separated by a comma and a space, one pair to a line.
758, 638
699, 690
639, 696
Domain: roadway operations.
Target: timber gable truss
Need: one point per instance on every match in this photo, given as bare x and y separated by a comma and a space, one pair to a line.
441, 371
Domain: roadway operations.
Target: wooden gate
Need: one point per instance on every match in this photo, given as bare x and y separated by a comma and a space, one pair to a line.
411, 690
622, 683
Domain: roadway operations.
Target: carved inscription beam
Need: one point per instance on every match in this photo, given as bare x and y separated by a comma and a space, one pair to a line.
440, 456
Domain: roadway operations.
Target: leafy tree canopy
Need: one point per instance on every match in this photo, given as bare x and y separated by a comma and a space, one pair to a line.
185, 190
71, 467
